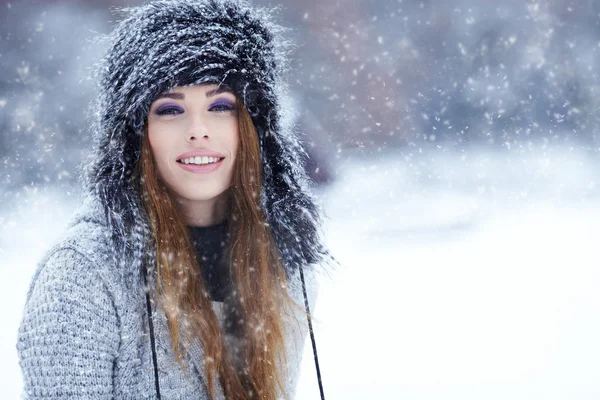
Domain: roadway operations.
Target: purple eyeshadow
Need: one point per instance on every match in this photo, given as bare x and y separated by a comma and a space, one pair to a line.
168, 107
221, 103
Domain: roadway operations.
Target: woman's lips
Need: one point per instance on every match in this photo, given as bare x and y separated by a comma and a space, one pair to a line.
201, 169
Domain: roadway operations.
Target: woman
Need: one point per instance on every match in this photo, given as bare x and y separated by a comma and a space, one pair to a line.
180, 275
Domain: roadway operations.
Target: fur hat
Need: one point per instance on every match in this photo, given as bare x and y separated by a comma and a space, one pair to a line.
169, 43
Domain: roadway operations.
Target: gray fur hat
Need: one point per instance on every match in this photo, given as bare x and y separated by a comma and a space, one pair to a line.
169, 43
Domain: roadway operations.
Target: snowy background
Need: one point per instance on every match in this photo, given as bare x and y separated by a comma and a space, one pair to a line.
455, 149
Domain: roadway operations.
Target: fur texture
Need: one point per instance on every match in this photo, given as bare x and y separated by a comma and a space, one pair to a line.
169, 43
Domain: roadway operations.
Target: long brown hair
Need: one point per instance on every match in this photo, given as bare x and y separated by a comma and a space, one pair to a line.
258, 278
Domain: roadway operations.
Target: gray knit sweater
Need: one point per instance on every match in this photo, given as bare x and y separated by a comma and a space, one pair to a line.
85, 335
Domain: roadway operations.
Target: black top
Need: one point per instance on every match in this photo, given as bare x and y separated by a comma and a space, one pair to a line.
211, 244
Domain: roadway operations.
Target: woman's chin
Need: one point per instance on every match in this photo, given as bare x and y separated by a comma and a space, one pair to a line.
205, 197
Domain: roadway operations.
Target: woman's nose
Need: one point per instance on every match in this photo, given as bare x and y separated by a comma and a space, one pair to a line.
194, 136
197, 130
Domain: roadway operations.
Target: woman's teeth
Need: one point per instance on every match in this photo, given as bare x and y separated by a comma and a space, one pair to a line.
199, 160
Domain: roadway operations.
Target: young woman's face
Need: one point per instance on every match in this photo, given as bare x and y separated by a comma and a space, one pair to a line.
193, 134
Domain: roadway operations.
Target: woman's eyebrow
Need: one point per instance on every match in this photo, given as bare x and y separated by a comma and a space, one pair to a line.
181, 96
172, 95
221, 89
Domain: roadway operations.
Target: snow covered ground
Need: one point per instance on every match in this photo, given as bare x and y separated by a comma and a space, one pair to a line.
464, 275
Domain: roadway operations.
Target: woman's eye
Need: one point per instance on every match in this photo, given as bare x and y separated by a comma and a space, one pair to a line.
222, 106
169, 110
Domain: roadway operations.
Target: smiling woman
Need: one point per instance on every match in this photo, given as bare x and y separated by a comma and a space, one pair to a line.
183, 273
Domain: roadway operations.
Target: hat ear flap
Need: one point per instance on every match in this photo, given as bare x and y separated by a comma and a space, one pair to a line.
290, 210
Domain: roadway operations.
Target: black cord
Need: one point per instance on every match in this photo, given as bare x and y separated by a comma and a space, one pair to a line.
149, 307
312, 335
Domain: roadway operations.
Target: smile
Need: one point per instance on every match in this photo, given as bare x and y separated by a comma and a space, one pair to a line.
203, 166
200, 160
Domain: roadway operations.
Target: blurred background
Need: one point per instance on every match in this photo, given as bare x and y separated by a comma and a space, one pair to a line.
454, 146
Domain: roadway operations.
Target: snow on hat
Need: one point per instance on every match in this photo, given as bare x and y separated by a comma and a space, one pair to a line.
169, 43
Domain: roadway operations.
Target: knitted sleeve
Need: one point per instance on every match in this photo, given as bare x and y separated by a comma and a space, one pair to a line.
69, 335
